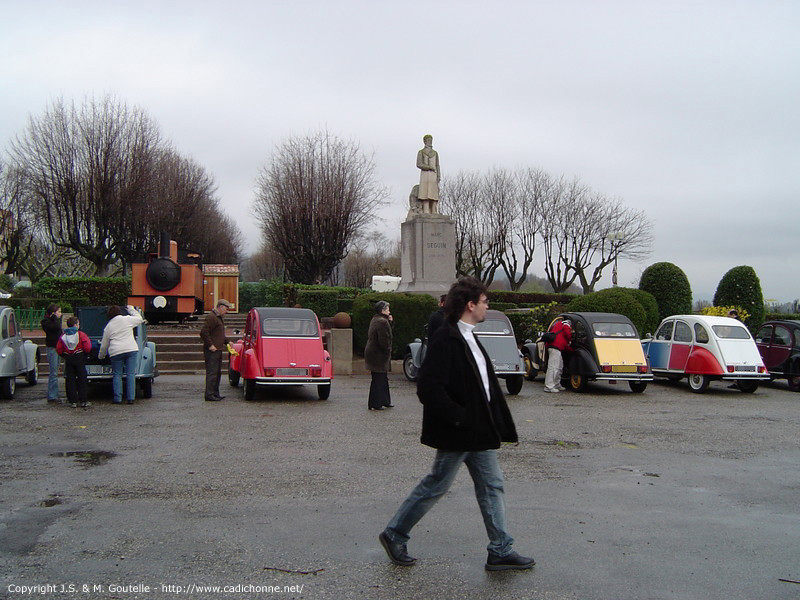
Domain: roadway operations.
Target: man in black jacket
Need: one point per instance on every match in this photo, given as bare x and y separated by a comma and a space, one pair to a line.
466, 418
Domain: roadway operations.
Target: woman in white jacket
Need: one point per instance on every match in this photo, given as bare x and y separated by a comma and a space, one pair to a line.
119, 343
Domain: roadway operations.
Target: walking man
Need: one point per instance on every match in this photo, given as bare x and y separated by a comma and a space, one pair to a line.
214, 340
466, 418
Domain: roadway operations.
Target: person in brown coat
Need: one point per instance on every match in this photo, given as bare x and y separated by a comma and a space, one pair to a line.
214, 340
378, 356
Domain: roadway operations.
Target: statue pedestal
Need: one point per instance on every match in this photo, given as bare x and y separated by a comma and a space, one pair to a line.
428, 264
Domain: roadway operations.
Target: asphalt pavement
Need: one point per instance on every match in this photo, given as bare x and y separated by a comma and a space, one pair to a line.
662, 495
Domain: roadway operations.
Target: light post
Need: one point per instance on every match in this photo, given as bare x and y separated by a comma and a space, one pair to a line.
616, 240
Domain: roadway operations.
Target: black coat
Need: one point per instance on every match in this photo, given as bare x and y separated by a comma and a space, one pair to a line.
456, 414
51, 325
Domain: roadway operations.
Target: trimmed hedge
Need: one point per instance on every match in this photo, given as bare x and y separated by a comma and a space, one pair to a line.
100, 291
613, 300
410, 312
277, 293
322, 302
741, 287
670, 287
782, 317
529, 298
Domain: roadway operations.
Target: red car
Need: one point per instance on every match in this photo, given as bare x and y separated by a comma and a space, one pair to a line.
281, 346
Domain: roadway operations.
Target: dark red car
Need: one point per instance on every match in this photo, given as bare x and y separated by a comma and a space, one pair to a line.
779, 345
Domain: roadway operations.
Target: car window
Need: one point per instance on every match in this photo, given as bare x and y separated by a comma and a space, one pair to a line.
764, 334
665, 331
579, 335
614, 330
12, 326
731, 332
783, 337
683, 333
5, 327
289, 328
700, 334
493, 326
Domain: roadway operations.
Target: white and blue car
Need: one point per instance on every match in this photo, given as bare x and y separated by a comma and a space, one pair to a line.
705, 349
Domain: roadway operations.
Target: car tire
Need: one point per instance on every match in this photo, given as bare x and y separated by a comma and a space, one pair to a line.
33, 375
234, 377
637, 387
514, 384
8, 386
699, 383
748, 387
530, 371
794, 377
409, 370
249, 389
324, 391
147, 387
578, 383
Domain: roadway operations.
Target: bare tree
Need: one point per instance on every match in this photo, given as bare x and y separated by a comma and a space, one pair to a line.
372, 254
263, 264
17, 220
313, 197
88, 168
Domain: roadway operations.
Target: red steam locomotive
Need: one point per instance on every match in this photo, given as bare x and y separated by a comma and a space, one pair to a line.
169, 286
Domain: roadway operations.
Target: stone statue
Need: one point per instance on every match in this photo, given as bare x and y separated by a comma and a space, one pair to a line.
414, 206
430, 174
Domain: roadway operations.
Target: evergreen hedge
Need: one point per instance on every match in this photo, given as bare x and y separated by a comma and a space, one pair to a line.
670, 287
100, 291
613, 300
410, 313
741, 287
322, 302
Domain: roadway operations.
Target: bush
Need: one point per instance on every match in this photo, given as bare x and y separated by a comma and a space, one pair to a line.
67, 304
648, 302
741, 287
613, 300
529, 323
782, 317
529, 298
502, 306
722, 311
99, 291
251, 294
410, 312
670, 287
322, 302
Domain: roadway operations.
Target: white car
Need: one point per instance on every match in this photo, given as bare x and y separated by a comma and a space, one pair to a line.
704, 349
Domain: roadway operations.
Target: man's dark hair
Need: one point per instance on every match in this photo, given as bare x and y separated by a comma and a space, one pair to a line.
462, 292
113, 311
72, 321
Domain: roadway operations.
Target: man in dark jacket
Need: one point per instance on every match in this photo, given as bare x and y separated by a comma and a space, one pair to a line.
466, 418
214, 340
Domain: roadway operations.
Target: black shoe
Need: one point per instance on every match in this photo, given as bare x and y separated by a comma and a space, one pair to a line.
509, 562
398, 553
388, 406
379, 408
213, 399
218, 397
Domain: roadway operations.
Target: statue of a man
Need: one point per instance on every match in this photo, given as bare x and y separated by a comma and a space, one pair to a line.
430, 174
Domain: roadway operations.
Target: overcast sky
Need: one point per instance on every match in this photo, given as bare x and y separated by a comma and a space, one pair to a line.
689, 111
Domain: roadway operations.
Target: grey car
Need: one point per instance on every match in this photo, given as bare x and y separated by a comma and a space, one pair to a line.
18, 357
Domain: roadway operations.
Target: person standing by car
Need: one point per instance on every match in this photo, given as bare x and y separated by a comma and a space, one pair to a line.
51, 325
214, 340
436, 318
465, 418
74, 345
555, 358
120, 345
378, 356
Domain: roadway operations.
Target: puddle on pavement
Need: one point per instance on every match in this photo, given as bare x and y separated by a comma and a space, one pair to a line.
52, 501
89, 458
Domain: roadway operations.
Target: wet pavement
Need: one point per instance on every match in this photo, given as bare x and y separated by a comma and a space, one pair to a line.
662, 495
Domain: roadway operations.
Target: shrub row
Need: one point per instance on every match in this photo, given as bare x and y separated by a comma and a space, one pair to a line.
324, 300
100, 291
410, 312
527, 298
639, 306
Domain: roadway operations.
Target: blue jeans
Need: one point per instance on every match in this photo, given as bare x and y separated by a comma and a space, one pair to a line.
53, 360
127, 360
488, 481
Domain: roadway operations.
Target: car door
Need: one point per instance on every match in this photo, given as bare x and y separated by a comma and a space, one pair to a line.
16, 342
763, 341
659, 347
681, 346
779, 349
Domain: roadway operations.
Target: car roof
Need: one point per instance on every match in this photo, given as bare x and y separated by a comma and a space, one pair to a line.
592, 317
708, 319
496, 315
792, 322
280, 312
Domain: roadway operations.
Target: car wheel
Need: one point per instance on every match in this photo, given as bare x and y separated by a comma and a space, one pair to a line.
249, 389
514, 384
33, 374
530, 371
748, 387
699, 383
147, 387
324, 391
234, 377
794, 377
8, 385
578, 383
409, 370
637, 387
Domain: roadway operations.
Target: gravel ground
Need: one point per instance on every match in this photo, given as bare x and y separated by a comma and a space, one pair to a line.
661, 495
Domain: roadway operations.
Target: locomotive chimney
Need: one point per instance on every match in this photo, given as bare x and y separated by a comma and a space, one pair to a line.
163, 245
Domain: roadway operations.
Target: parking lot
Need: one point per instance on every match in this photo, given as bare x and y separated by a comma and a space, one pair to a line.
660, 495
